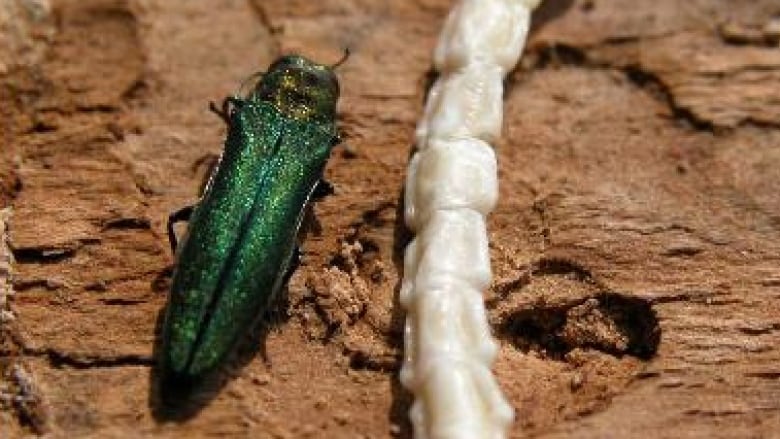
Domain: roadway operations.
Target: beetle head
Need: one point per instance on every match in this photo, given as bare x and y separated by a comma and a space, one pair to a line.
300, 88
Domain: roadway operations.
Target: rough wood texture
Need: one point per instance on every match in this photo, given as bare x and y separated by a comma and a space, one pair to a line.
635, 245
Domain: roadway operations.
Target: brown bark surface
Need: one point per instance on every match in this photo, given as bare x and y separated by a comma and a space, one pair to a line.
635, 245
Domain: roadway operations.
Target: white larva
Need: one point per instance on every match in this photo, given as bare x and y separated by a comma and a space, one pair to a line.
488, 32
464, 104
451, 186
452, 174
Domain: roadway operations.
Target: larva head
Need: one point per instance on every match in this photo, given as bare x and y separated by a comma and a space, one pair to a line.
300, 89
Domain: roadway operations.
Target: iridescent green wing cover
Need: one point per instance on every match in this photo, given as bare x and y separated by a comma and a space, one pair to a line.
242, 235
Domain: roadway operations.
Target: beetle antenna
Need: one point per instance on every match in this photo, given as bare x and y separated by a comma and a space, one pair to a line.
343, 58
248, 79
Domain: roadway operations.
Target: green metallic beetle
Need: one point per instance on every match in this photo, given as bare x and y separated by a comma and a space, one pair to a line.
242, 235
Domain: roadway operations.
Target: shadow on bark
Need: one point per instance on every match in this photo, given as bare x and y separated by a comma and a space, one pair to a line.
402, 398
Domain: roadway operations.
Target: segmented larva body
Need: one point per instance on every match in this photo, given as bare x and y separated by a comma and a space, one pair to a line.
451, 186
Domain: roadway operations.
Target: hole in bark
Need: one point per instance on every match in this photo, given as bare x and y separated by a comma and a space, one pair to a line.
128, 224
42, 255
43, 127
360, 360
609, 322
552, 266
560, 55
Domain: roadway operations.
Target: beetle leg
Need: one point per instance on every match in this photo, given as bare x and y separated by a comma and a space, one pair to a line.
224, 111
348, 151
180, 215
323, 189
295, 262
219, 112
